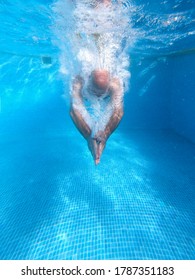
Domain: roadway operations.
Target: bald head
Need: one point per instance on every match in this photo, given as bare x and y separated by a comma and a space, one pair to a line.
101, 79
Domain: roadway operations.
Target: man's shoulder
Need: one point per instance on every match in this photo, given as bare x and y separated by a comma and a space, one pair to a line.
115, 85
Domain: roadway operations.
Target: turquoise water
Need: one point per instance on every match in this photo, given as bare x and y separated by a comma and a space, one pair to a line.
139, 202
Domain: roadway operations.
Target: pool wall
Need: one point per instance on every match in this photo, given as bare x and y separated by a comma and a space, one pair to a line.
147, 104
183, 96
168, 101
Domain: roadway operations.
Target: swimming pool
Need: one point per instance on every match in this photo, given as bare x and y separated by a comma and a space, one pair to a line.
139, 202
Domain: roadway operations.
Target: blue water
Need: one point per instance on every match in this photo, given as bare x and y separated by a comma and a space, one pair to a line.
139, 203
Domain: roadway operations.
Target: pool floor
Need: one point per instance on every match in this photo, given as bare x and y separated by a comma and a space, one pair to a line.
137, 204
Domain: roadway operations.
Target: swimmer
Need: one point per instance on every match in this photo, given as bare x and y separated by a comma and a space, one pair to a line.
100, 86
105, 93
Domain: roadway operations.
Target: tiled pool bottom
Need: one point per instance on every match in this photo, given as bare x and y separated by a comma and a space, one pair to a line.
137, 204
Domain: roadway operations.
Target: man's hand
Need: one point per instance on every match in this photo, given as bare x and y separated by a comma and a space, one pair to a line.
100, 137
100, 148
96, 145
93, 147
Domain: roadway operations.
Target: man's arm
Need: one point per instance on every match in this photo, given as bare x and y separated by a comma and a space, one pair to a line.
77, 107
117, 105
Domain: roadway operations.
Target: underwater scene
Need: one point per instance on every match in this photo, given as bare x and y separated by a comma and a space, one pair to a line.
97, 130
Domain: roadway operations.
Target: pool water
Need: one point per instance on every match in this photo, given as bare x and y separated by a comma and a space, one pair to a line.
138, 203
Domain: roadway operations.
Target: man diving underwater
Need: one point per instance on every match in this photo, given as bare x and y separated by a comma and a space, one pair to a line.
97, 100
105, 90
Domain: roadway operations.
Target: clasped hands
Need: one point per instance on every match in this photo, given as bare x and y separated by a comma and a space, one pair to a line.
97, 144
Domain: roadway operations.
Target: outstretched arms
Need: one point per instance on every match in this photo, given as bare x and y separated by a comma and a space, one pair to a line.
117, 105
79, 115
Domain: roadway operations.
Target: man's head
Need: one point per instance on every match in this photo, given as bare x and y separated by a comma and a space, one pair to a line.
100, 79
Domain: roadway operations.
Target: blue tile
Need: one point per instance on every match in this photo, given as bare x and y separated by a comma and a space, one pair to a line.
140, 207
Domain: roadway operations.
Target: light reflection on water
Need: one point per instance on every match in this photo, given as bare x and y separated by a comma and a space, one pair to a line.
58, 30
